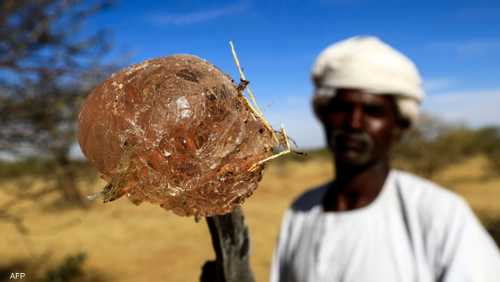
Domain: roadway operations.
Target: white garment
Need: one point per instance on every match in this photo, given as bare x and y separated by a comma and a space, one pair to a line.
413, 231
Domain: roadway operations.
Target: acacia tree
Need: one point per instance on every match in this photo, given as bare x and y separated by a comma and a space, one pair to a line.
433, 145
47, 66
487, 141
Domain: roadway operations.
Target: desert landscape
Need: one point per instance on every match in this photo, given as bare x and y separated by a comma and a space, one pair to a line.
119, 241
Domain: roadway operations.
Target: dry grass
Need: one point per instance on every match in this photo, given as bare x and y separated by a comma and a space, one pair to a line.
145, 243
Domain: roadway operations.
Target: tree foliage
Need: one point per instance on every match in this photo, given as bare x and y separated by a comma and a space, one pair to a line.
47, 66
434, 144
487, 140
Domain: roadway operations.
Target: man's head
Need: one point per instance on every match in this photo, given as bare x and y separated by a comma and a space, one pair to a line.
360, 127
366, 95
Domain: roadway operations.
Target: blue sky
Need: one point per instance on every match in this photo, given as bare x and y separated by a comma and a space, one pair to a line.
455, 44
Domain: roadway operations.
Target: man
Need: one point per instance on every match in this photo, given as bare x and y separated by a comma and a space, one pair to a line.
373, 223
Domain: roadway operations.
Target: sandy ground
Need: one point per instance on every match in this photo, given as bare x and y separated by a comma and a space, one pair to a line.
125, 243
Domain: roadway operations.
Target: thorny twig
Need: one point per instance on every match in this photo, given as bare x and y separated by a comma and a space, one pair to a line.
256, 110
282, 153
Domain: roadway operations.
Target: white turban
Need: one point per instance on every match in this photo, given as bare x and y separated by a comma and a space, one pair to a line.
367, 63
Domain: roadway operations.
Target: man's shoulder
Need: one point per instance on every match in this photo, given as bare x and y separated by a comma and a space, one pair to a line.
433, 202
309, 199
417, 186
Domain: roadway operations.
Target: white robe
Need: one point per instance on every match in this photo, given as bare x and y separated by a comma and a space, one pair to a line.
413, 231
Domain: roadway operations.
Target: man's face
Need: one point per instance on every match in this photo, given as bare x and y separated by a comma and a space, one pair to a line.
360, 127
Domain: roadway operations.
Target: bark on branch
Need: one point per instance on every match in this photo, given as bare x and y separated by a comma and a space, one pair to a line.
231, 244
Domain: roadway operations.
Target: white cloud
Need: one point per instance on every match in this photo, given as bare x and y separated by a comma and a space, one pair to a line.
197, 16
468, 48
474, 108
437, 84
478, 47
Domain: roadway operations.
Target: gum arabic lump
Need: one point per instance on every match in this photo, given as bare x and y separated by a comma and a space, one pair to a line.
174, 131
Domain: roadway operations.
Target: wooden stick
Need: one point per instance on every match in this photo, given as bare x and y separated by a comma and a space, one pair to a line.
231, 244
